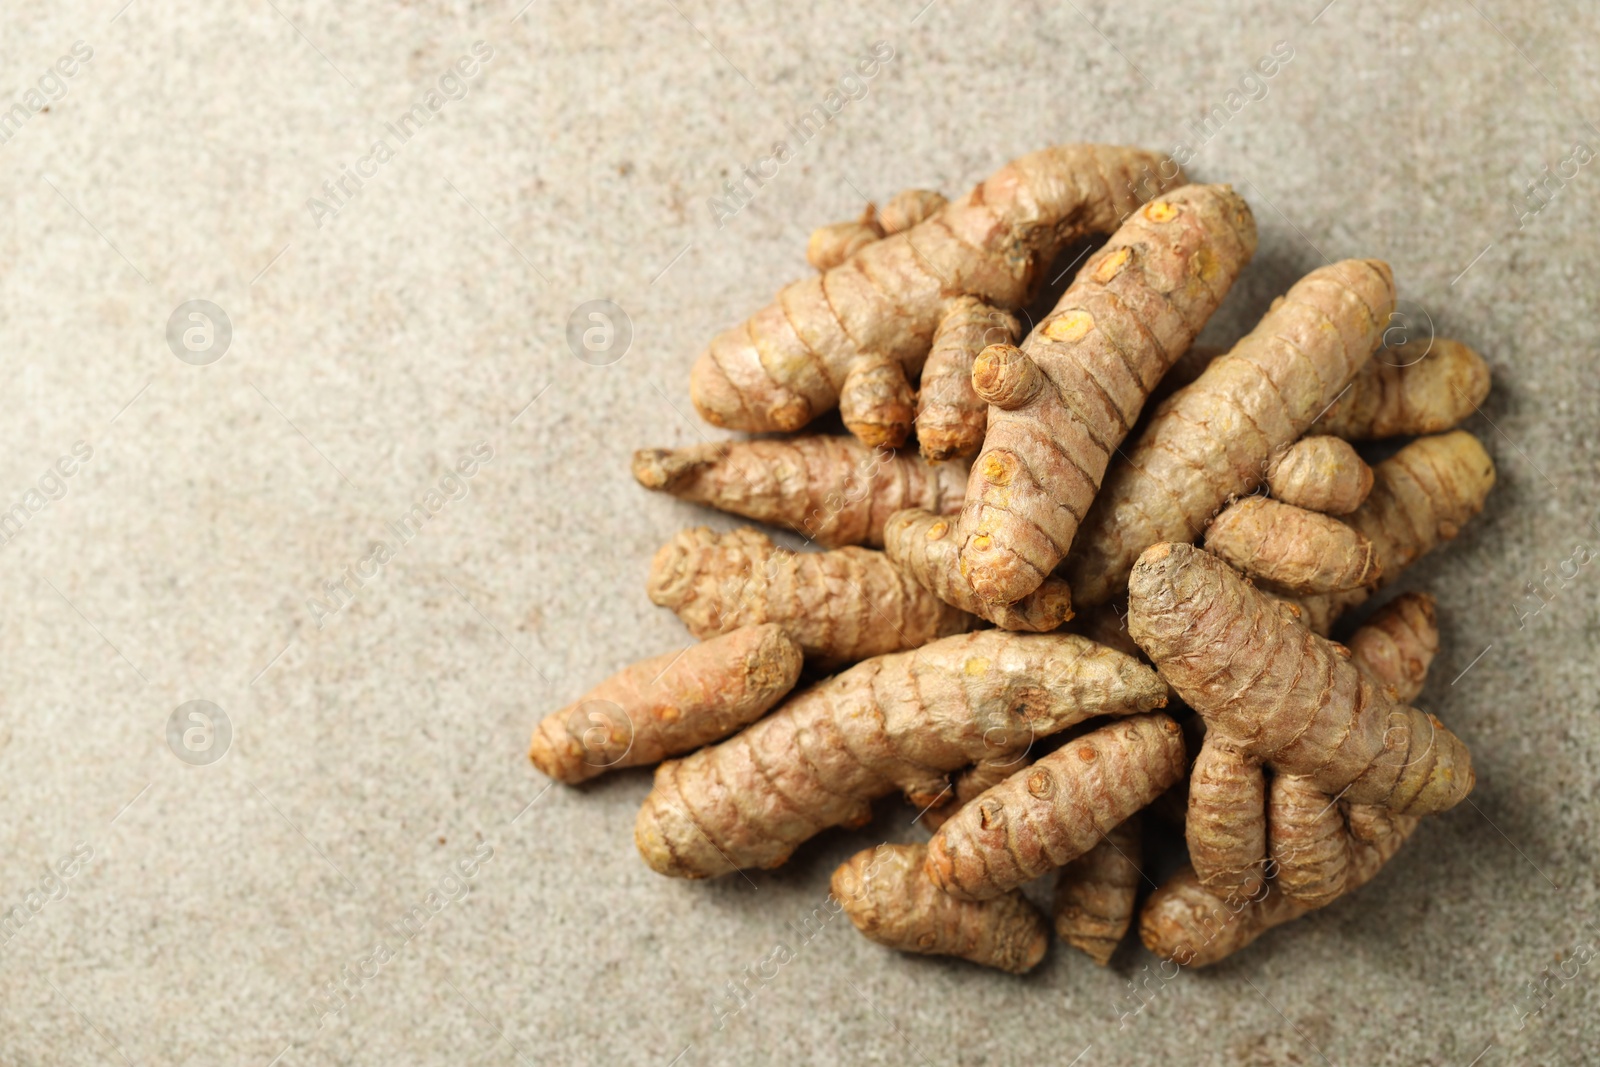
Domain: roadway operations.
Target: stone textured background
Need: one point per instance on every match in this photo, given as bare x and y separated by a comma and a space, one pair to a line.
372, 755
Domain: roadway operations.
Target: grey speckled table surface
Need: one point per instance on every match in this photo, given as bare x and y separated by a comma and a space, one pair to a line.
382, 331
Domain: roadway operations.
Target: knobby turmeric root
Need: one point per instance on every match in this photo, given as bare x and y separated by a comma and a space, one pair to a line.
1320, 473
901, 722
832, 245
1057, 809
1398, 643
908, 208
951, 416
1216, 439
889, 898
1421, 497
1094, 900
1290, 548
1193, 926
923, 545
839, 606
1061, 404
833, 490
1422, 387
1277, 694
976, 780
856, 335
1308, 841
1224, 821
668, 705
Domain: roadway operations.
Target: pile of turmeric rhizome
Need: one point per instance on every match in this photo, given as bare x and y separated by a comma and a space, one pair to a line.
1208, 547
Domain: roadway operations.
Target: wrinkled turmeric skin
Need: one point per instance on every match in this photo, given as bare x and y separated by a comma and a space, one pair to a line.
840, 606
856, 336
1095, 894
1057, 809
1062, 403
887, 895
1282, 696
829, 489
899, 722
668, 705
924, 546
1216, 439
